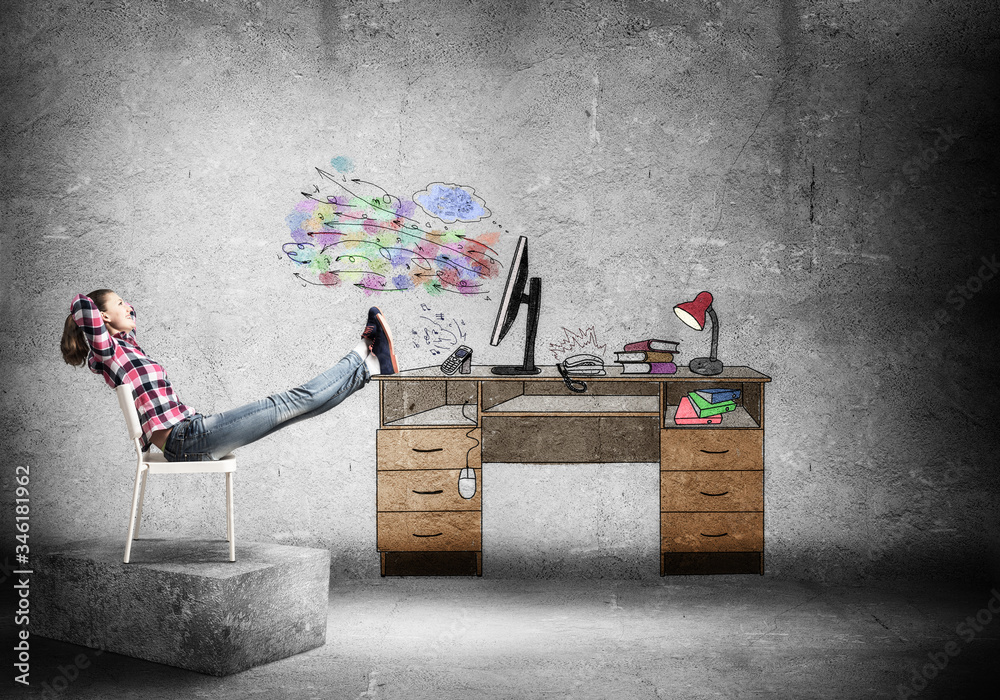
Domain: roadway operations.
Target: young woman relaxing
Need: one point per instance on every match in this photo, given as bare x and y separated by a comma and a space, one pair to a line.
100, 332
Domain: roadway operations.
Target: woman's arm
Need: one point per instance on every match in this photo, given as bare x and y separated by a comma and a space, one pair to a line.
88, 319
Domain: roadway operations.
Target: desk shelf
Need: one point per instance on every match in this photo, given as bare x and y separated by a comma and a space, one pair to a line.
440, 416
584, 405
411, 402
738, 419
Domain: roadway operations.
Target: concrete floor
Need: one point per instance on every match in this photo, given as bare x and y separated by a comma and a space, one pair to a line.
694, 637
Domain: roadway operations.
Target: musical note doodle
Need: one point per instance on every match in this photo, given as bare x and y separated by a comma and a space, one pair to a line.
439, 332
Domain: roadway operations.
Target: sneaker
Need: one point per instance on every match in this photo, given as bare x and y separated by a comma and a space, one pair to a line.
369, 333
377, 331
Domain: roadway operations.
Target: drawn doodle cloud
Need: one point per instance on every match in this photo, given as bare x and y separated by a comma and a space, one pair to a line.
450, 203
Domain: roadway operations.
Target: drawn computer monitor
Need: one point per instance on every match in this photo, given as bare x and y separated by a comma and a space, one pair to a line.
513, 297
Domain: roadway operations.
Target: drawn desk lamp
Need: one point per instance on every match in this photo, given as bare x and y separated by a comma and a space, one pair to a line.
513, 297
693, 314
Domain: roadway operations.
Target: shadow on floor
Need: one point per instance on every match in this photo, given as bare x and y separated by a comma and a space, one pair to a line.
692, 637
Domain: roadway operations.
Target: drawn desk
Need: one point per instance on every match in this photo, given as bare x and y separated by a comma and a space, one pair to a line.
432, 425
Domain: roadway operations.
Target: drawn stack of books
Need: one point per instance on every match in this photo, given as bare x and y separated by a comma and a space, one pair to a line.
706, 406
652, 356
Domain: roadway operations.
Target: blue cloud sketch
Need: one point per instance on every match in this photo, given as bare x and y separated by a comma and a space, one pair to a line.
450, 203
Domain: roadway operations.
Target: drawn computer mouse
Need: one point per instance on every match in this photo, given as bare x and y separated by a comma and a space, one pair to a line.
467, 483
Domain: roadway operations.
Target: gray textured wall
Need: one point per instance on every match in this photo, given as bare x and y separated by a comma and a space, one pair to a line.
827, 169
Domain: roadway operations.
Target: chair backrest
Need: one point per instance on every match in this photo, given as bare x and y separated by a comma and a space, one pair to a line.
127, 403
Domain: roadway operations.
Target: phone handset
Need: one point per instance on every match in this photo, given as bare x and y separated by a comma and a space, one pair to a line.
583, 360
458, 361
572, 384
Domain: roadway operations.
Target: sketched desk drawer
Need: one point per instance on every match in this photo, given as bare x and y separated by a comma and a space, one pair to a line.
433, 448
712, 532
413, 532
711, 449
711, 490
425, 489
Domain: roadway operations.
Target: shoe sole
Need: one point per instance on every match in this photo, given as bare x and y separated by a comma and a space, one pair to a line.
384, 327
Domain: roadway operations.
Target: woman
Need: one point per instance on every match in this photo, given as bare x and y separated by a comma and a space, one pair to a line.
100, 332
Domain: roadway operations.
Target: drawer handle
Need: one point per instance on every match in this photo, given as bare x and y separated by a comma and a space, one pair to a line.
722, 535
437, 535
711, 452
429, 493
714, 494
436, 449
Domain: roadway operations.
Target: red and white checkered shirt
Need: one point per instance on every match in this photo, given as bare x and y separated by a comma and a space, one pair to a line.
120, 360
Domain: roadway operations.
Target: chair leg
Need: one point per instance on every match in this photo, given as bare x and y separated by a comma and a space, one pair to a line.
142, 499
230, 524
132, 512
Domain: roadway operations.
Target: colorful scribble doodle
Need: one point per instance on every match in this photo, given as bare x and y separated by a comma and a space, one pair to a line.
585, 340
350, 231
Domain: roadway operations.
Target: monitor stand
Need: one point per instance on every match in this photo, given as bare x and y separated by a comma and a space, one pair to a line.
533, 300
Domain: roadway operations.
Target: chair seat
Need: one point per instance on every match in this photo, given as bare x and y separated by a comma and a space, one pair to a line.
157, 463
151, 462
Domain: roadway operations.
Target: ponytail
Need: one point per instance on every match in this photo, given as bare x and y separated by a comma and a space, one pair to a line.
74, 345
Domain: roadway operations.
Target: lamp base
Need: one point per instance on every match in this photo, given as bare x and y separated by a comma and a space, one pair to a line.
706, 366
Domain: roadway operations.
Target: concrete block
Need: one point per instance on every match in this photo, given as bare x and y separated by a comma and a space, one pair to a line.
182, 603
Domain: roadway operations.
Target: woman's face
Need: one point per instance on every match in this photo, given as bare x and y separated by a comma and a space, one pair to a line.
117, 315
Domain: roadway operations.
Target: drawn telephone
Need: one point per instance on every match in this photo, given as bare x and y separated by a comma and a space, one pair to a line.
588, 365
460, 361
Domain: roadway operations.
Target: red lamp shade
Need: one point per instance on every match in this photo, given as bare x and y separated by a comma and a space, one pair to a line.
693, 312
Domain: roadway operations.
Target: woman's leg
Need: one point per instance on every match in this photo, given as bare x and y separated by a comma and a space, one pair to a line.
212, 437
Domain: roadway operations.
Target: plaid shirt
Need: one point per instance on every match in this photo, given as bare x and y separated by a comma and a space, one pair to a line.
120, 360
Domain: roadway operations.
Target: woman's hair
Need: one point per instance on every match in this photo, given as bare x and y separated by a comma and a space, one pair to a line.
73, 344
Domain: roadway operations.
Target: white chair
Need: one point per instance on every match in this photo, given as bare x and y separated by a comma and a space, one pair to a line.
155, 463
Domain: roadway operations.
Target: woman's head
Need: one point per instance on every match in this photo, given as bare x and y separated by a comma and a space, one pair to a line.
116, 313
73, 344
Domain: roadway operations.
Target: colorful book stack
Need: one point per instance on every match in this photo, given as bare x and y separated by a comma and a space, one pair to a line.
651, 356
706, 406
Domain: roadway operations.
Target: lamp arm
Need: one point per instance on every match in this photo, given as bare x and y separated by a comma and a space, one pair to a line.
713, 354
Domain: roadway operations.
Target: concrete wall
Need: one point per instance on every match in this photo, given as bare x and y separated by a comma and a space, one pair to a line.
826, 169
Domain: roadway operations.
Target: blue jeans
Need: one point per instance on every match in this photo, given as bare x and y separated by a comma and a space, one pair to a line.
202, 438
